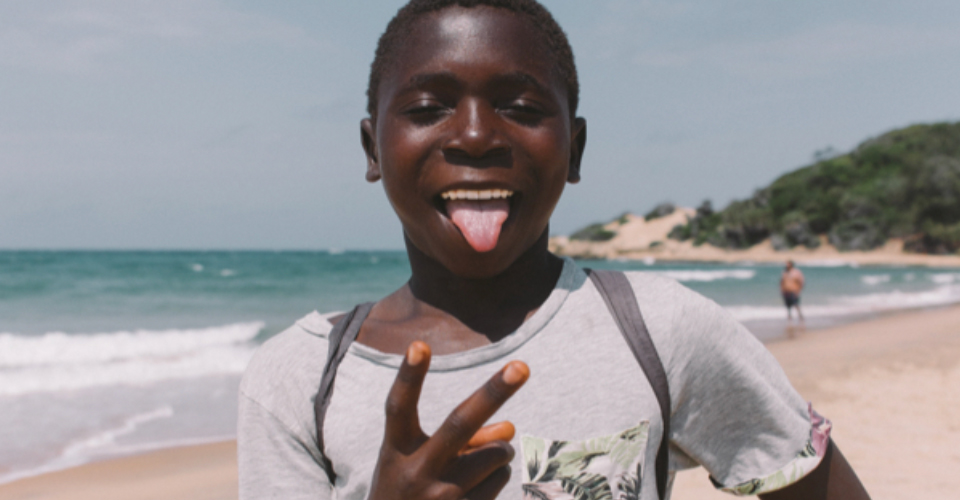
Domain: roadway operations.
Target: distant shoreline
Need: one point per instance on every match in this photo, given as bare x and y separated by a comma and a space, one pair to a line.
638, 239
722, 256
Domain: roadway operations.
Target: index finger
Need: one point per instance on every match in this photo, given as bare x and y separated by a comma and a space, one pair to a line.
464, 421
403, 420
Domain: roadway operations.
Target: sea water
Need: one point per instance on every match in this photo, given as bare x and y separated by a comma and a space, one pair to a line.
111, 353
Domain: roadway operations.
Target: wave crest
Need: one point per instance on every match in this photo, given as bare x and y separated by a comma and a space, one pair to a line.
57, 361
711, 275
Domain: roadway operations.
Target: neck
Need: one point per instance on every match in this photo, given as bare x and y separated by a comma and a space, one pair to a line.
494, 306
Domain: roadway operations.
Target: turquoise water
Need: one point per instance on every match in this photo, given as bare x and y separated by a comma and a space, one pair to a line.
108, 291
107, 353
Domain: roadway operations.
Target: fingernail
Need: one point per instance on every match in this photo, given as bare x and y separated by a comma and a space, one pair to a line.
414, 355
515, 373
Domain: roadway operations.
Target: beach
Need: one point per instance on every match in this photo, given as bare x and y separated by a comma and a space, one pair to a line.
888, 384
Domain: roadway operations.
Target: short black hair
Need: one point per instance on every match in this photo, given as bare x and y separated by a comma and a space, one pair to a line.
550, 32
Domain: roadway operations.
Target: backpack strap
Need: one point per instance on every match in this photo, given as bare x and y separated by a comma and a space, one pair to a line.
340, 338
617, 293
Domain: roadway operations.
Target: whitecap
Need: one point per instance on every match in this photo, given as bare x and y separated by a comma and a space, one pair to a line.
945, 278
57, 361
705, 275
875, 279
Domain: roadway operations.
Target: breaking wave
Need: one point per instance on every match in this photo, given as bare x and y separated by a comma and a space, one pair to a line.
709, 275
58, 361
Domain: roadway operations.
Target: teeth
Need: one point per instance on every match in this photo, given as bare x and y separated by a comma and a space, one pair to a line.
486, 194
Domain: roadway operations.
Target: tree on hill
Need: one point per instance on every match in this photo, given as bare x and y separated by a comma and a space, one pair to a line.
903, 184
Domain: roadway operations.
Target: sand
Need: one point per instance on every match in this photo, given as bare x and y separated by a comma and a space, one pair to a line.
203, 472
890, 385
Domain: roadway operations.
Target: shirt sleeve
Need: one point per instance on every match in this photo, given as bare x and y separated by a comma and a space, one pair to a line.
734, 411
273, 461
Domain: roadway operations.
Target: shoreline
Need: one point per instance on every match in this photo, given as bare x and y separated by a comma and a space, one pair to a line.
763, 253
204, 471
888, 383
635, 238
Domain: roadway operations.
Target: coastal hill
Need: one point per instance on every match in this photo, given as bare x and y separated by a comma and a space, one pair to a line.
893, 199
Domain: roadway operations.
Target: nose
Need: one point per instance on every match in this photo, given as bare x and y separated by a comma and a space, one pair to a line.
476, 132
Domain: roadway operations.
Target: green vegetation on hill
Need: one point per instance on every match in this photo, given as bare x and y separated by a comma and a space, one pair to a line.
593, 232
904, 184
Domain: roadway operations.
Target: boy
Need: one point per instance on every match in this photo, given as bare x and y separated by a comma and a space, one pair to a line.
473, 133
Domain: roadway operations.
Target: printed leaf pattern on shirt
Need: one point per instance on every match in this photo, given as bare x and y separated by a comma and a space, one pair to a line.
601, 468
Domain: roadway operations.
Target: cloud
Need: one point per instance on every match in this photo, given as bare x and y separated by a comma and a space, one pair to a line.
73, 36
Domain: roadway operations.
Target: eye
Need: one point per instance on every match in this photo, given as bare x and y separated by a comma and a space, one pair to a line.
522, 111
426, 111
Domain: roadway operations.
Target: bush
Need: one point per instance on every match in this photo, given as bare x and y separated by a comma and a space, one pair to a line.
593, 232
661, 210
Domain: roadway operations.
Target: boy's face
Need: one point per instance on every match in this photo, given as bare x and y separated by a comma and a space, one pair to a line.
472, 107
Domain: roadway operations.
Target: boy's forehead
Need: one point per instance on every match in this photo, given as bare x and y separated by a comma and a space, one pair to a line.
473, 37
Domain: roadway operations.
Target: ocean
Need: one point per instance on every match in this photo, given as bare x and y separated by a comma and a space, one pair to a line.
117, 352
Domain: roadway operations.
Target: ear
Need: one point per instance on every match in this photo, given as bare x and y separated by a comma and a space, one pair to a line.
578, 141
368, 138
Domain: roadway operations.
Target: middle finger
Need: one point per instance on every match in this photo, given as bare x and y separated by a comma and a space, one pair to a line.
464, 421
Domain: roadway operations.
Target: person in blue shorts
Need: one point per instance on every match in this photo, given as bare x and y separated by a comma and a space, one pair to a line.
791, 284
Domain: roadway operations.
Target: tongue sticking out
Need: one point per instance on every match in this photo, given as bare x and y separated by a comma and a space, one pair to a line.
479, 221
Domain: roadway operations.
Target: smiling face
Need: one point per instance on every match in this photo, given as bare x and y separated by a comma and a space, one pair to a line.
473, 138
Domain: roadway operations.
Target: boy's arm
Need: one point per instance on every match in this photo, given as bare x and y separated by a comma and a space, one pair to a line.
833, 479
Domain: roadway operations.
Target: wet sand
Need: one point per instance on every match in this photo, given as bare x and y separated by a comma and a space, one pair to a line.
890, 385
203, 472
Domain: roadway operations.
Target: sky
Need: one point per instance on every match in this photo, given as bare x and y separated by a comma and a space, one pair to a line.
234, 124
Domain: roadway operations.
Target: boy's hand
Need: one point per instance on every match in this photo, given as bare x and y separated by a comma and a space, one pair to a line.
457, 461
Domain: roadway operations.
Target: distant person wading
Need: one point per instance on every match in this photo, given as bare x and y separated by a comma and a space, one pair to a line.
791, 284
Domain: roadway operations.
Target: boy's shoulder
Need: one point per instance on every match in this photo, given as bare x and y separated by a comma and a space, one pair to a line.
667, 301
291, 360
685, 326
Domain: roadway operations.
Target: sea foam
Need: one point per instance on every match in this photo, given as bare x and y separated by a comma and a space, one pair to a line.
58, 361
707, 275
82, 450
853, 305
875, 279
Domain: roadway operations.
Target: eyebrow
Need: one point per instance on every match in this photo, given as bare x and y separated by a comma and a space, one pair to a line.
520, 79
447, 78
431, 79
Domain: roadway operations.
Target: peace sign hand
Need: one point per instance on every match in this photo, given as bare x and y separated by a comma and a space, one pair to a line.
460, 460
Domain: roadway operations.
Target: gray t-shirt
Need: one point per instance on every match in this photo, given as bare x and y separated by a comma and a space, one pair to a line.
734, 412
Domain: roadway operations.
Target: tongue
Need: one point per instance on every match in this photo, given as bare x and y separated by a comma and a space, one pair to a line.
479, 221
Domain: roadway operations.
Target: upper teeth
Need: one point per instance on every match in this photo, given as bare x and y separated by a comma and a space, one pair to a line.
486, 194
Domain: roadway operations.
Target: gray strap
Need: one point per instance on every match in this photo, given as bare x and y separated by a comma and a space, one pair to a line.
340, 338
616, 291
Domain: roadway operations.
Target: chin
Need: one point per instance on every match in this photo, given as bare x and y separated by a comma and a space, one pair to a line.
476, 265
